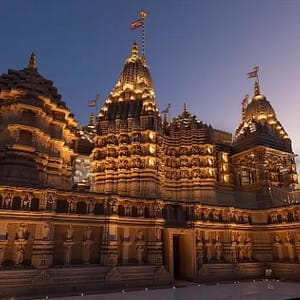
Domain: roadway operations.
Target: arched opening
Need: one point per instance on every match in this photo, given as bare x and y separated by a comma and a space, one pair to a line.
62, 206
290, 217
121, 210
99, 209
134, 211
1, 201
35, 204
146, 212
25, 137
16, 203
81, 208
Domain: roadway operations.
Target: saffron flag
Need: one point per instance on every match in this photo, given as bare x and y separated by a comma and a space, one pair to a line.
137, 23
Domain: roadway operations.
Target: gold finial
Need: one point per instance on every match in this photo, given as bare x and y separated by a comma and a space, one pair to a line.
32, 61
143, 14
134, 50
256, 88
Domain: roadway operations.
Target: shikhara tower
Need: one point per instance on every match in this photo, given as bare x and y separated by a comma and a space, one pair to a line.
133, 199
125, 157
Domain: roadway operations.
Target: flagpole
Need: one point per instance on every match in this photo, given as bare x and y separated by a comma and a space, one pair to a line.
97, 98
143, 15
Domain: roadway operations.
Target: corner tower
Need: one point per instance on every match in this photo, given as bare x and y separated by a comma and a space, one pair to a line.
126, 153
37, 131
262, 153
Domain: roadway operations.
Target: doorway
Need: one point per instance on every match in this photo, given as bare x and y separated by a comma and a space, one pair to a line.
183, 257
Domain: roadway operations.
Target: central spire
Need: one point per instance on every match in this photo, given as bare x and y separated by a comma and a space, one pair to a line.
134, 86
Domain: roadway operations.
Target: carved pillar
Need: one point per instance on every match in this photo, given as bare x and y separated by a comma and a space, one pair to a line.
20, 251
297, 245
43, 246
199, 250
126, 242
109, 245
3, 244
68, 244
87, 245
155, 248
277, 249
208, 250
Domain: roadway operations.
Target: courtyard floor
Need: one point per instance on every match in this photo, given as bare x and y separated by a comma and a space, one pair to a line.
261, 289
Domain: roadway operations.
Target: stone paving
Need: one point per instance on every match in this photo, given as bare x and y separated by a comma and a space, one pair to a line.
261, 290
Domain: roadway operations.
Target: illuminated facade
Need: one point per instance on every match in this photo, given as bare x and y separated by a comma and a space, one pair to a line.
134, 199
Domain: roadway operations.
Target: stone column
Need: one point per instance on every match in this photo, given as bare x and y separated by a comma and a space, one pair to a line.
68, 244
43, 247
87, 245
126, 242
109, 245
277, 248
19, 251
3, 244
68, 251
297, 245
289, 248
155, 248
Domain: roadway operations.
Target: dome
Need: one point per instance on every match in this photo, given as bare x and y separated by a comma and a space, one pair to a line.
133, 94
136, 70
259, 108
30, 80
259, 119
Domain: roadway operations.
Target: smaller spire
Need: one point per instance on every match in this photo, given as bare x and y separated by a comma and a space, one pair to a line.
184, 107
32, 61
92, 120
256, 88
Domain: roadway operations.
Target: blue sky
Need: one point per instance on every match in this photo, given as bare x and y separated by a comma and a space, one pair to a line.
198, 52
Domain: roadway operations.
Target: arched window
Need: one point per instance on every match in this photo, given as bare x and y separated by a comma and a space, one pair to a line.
35, 204
99, 209
62, 206
81, 208
16, 203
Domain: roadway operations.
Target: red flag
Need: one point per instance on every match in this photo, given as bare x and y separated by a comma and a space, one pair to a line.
166, 111
92, 103
137, 23
252, 74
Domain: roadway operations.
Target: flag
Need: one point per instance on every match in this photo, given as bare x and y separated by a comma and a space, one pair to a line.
92, 103
137, 23
166, 111
252, 74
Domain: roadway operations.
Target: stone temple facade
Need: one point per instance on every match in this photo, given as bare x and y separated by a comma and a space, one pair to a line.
133, 199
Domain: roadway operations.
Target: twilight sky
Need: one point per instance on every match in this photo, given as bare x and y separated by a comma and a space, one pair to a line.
198, 51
